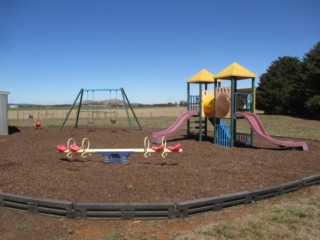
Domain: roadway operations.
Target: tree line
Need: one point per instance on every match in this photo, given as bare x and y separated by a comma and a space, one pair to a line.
292, 86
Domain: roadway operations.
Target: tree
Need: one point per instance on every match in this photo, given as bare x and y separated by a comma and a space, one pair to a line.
183, 103
311, 63
282, 88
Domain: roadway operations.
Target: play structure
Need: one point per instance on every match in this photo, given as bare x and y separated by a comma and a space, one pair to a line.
216, 106
116, 155
105, 110
221, 107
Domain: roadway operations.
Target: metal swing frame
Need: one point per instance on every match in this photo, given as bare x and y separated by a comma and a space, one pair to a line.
79, 97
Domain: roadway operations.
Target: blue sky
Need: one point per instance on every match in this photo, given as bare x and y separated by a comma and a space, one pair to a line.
49, 49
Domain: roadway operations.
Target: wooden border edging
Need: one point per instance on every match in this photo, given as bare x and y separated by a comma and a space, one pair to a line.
148, 210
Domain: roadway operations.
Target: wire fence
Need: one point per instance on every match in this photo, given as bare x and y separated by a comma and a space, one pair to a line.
87, 117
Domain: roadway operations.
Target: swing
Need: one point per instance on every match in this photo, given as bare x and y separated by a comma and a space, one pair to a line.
37, 123
90, 109
114, 117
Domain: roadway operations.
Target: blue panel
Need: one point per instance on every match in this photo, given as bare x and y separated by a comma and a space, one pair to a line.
222, 135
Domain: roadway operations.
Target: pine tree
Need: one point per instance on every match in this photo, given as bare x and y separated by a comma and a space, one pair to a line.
281, 89
311, 63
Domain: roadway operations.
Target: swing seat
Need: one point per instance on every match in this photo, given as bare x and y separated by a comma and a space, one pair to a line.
37, 123
61, 148
75, 148
158, 149
175, 148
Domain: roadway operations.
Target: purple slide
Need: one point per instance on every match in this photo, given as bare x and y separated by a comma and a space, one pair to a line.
258, 128
157, 136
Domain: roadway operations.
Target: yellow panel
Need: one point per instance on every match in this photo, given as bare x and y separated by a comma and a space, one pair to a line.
223, 102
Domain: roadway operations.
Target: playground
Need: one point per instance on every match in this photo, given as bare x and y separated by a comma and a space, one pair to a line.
194, 164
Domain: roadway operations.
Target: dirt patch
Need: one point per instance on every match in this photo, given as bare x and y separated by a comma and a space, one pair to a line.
31, 166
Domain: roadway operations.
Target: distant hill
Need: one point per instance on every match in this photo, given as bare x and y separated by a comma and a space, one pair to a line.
101, 103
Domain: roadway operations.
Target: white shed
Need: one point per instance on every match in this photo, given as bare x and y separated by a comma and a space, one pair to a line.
4, 113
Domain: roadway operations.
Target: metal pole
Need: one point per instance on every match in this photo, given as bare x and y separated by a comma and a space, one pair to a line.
78, 112
126, 100
206, 119
74, 103
215, 135
233, 121
102, 89
200, 112
188, 108
253, 105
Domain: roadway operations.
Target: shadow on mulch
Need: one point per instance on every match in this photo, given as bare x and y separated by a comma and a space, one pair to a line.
192, 137
13, 129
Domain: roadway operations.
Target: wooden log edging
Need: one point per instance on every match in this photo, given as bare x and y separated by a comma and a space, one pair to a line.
141, 210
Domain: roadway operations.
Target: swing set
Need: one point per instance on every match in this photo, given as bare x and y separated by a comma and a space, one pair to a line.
94, 108
95, 112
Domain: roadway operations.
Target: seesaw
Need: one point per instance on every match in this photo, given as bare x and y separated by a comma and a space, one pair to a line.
115, 155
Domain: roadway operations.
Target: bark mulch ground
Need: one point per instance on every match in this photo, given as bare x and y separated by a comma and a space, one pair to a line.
31, 166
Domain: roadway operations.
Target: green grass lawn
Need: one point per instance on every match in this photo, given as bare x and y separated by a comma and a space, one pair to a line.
291, 216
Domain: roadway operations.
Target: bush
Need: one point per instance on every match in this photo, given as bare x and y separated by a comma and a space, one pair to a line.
313, 106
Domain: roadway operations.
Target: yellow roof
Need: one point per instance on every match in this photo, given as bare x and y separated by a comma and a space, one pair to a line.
203, 76
235, 70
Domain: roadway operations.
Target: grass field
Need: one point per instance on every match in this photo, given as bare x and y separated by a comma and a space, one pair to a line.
291, 216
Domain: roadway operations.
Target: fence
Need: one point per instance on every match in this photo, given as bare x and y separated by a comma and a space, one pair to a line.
55, 117
17, 114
